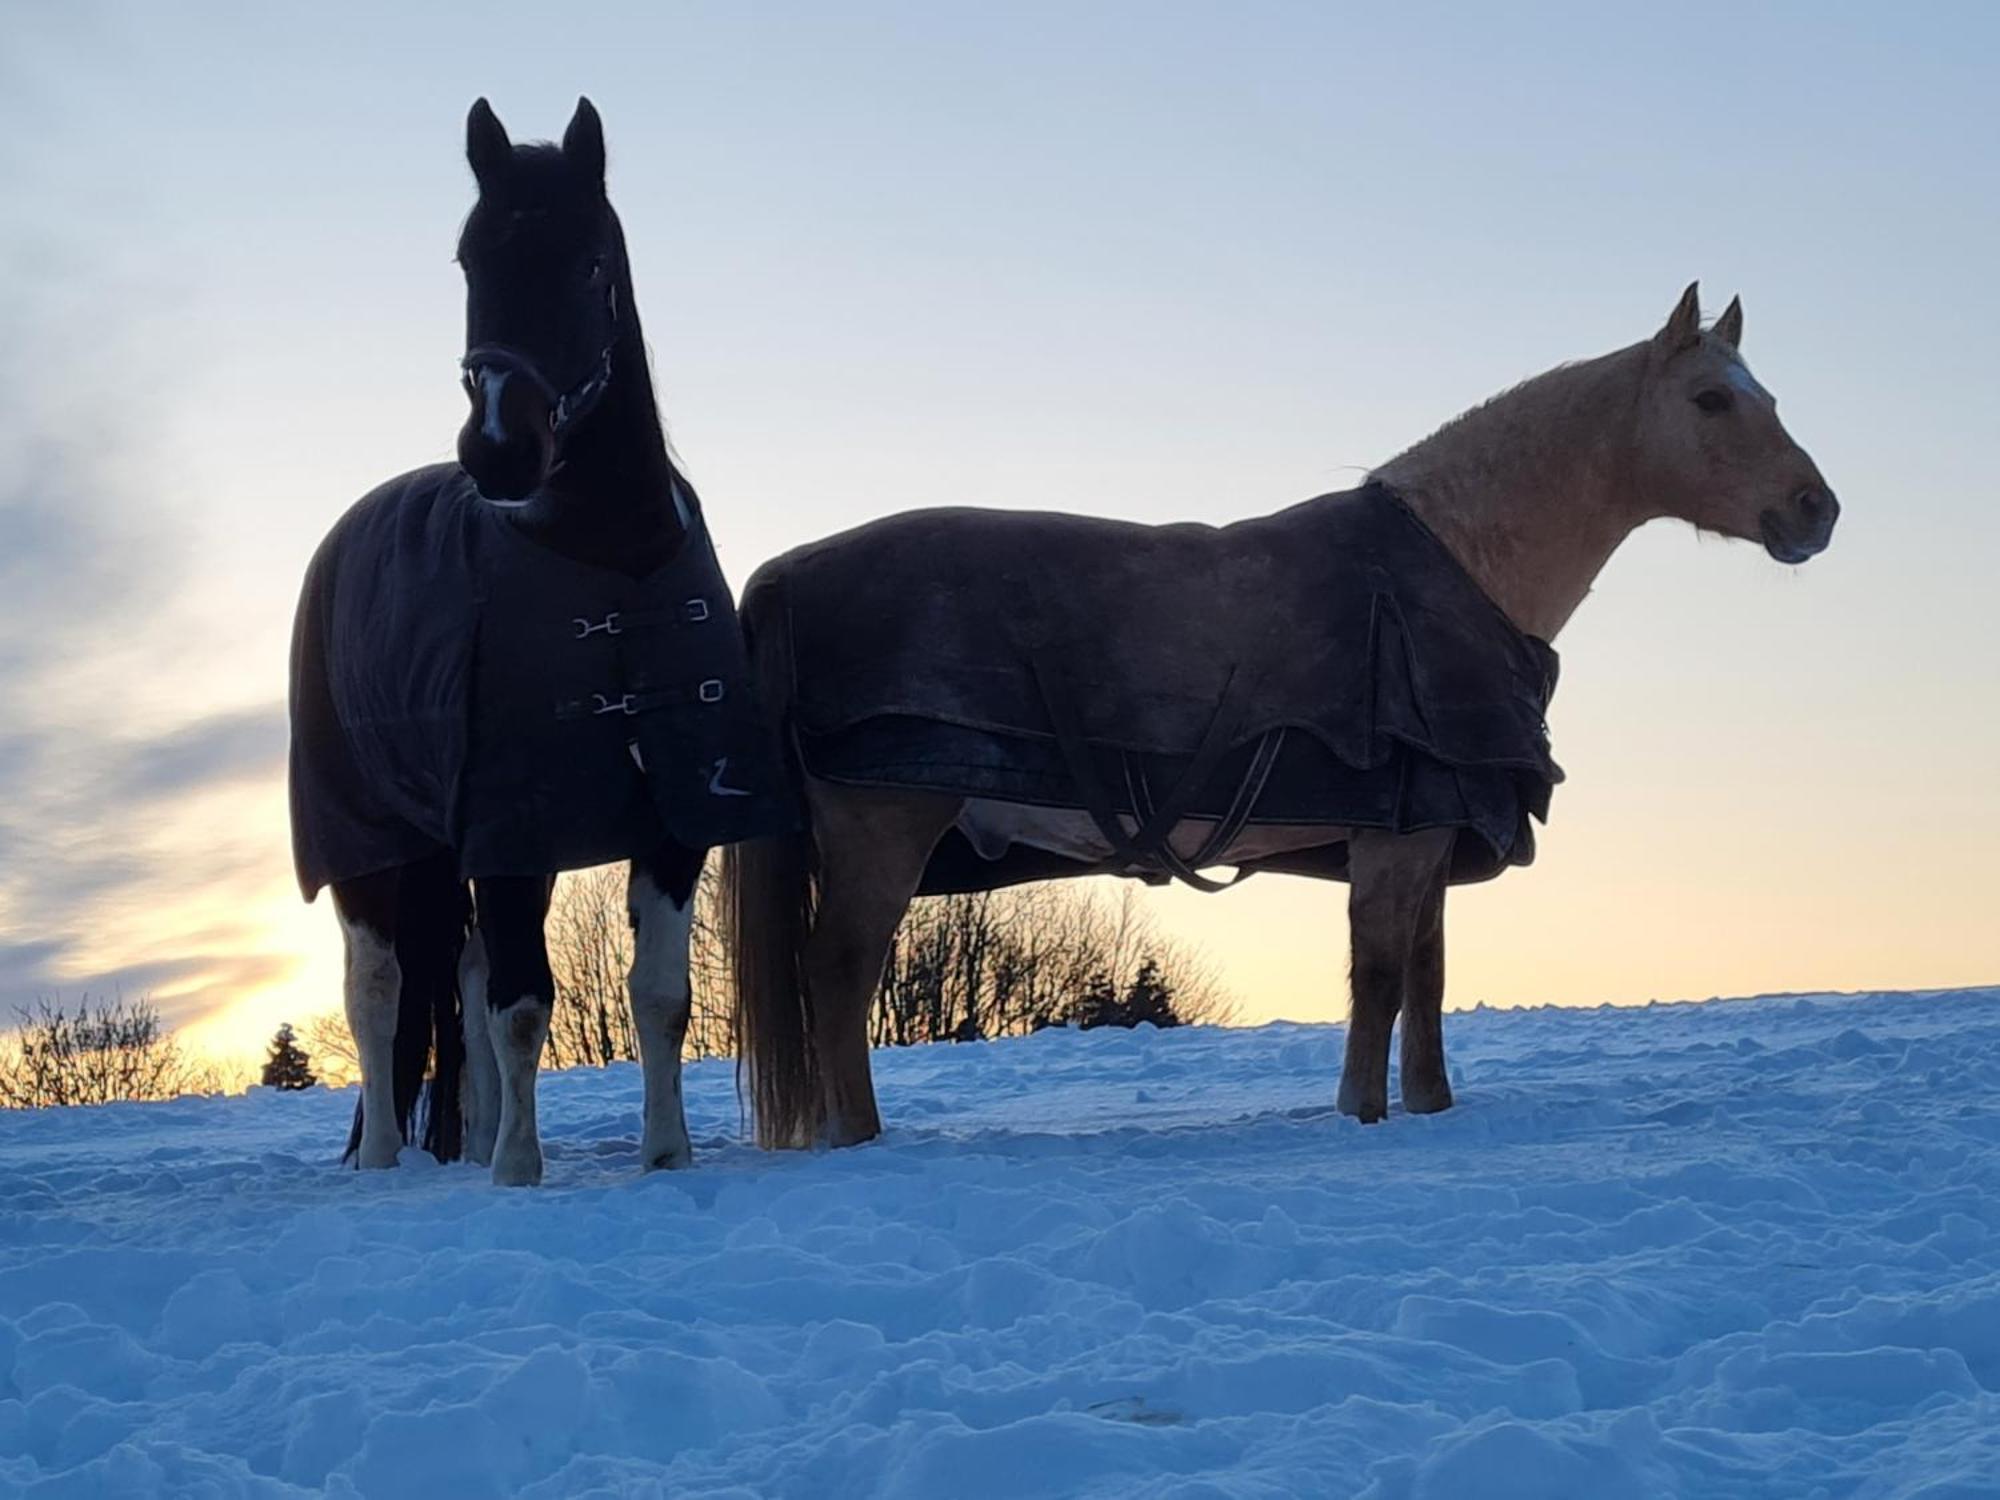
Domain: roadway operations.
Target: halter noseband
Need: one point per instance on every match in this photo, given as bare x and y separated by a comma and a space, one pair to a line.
565, 407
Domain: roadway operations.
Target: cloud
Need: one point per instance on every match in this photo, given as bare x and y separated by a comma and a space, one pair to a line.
24, 965
182, 989
95, 860
245, 744
103, 853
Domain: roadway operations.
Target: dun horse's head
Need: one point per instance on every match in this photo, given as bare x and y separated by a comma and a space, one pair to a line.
1710, 447
544, 264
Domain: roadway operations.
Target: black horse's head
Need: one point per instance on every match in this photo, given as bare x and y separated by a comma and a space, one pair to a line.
545, 280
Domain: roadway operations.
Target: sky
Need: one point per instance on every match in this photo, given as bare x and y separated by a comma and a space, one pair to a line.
1163, 261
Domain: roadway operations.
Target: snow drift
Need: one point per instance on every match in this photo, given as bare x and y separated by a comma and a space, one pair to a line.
1742, 1248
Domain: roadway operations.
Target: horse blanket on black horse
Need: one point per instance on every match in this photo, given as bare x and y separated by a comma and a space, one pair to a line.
1330, 666
456, 685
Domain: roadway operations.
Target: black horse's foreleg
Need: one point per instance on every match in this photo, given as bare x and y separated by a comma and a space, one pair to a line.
482, 1071
660, 901
520, 995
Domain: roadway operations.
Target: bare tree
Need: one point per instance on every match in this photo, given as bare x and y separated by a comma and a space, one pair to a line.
998, 963
331, 1044
590, 954
115, 1050
711, 1032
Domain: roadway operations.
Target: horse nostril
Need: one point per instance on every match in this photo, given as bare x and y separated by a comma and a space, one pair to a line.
1818, 506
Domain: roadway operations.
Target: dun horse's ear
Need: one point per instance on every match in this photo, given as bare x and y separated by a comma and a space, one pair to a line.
1729, 327
583, 142
486, 145
1683, 330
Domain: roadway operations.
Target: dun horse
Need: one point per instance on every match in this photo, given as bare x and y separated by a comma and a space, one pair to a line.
518, 664
1351, 688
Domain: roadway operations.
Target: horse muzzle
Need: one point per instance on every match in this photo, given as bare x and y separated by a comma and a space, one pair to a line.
508, 442
508, 471
1801, 528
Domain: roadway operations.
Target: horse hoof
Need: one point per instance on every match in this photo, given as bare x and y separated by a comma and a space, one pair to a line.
1429, 1099
839, 1133
668, 1158
517, 1169
1368, 1111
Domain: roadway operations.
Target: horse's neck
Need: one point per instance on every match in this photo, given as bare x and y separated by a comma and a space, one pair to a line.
1532, 491
616, 485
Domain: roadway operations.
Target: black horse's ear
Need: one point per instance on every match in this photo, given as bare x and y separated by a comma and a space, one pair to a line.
583, 142
486, 145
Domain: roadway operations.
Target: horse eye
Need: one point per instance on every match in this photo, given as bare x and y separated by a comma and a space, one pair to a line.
1714, 401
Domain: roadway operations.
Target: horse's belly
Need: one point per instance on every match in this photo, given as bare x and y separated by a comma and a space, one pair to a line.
990, 827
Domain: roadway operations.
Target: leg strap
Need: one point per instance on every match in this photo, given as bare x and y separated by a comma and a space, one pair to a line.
1146, 848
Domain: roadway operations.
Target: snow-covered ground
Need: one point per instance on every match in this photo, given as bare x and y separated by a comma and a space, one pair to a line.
1742, 1248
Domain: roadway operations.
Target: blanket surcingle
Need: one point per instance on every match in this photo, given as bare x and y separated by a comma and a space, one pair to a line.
457, 686
1330, 665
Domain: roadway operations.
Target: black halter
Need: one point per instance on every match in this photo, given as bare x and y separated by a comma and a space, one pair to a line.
565, 407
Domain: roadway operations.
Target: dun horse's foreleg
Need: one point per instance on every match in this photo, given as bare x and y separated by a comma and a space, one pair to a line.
373, 986
481, 1088
660, 898
873, 846
1426, 1088
1389, 878
520, 997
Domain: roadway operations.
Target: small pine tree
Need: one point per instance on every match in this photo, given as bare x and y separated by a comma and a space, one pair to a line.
1097, 1005
287, 1066
1150, 998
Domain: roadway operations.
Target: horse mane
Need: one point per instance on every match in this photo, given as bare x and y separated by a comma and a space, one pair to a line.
1538, 404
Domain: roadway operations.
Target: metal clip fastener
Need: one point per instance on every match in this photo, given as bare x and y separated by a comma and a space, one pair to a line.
696, 610
608, 625
620, 705
710, 691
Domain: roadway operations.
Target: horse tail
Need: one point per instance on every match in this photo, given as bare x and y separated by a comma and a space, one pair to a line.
433, 920
766, 909
766, 896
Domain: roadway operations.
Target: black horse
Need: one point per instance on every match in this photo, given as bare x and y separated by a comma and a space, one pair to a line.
518, 664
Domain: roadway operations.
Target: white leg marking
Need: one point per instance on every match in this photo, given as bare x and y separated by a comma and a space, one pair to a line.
482, 1072
517, 1034
495, 381
660, 1003
374, 983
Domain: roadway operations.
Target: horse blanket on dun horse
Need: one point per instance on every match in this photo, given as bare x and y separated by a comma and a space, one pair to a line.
458, 686
1330, 667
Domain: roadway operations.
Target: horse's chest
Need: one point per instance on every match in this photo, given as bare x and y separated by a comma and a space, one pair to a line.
607, 712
